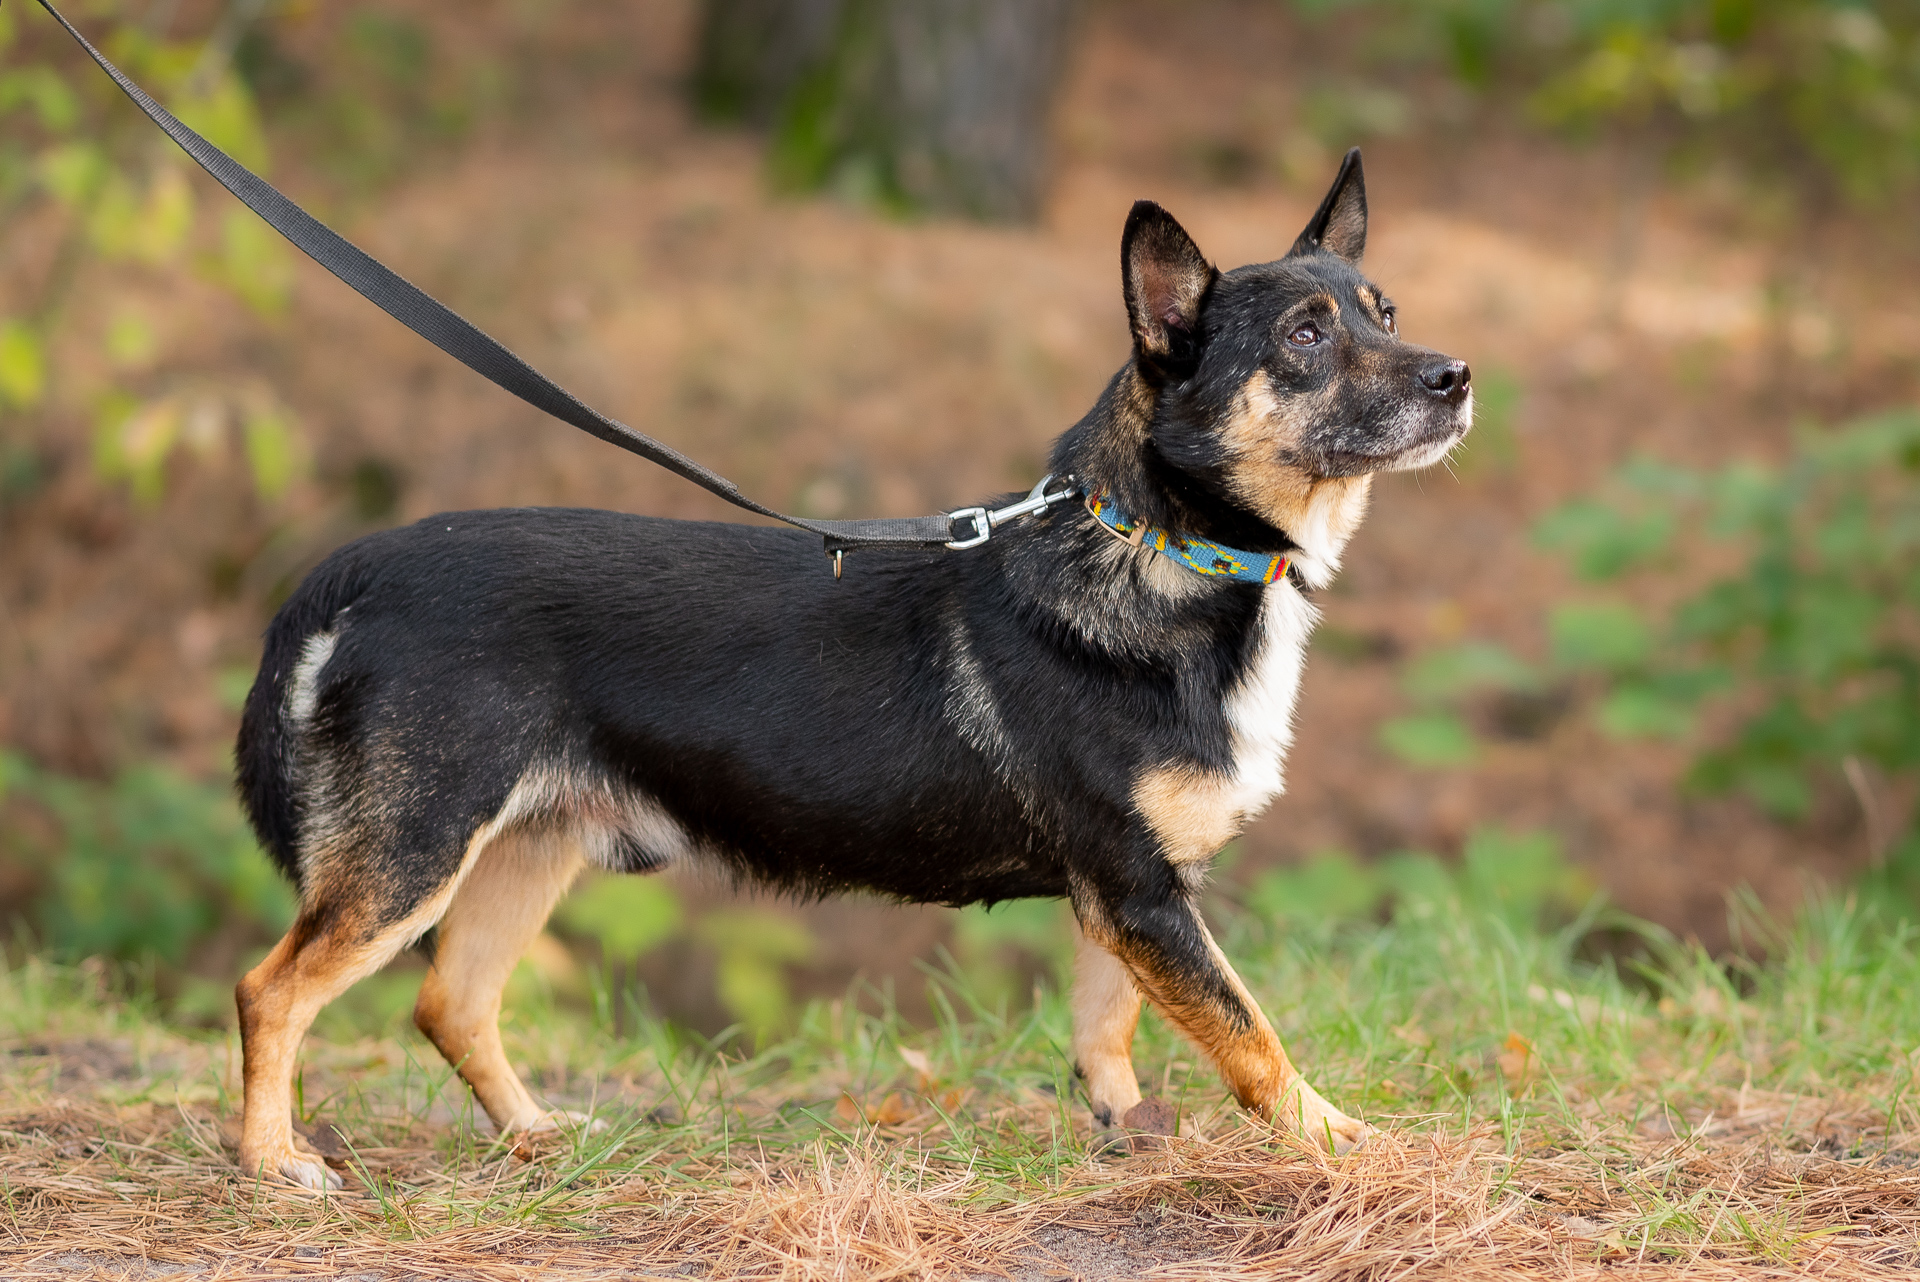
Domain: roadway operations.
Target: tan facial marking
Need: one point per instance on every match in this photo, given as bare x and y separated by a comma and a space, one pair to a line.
1317, 304
1190, 811
1375, 304
1265, 434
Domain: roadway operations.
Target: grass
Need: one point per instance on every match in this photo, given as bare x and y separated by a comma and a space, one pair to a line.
1543, 1115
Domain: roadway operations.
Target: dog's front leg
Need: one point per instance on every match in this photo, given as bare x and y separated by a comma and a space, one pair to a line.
1106, 1009
1156, 932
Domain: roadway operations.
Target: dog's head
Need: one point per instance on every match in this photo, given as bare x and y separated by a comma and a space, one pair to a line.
1278, 387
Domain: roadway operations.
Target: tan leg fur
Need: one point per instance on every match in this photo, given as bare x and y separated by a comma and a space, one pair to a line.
498, 910
331, 946
1235, 1035
1106, 1009
321, 957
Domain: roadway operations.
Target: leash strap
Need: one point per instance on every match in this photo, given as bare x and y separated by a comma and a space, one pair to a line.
491, 359
1202, 556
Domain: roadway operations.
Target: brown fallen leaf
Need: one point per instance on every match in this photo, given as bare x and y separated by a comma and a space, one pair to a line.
893, 1110
1518, 1064
1150, 1121
325, 1139
922, 1069
1153, 1115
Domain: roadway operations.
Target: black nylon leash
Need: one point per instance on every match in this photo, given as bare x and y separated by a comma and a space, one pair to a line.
492, 360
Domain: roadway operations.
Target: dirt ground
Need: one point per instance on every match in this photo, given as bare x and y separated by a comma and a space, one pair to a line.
1759, 1186
836, 362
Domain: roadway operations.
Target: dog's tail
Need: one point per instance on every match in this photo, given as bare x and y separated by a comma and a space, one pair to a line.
266, 757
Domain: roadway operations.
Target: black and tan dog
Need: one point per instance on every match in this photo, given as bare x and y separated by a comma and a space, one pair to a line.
453, 719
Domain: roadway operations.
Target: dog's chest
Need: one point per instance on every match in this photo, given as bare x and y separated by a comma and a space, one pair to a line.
1259, 708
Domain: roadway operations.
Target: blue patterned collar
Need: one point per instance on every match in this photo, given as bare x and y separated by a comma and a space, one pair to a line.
1215, 560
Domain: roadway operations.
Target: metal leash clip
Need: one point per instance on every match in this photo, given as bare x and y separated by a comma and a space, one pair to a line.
984, 521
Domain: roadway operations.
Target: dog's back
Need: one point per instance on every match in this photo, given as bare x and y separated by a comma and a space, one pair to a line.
661, 689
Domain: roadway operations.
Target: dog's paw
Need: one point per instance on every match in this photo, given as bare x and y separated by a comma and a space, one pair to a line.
525, 1135
1347, 1135
303, 1170
1321, 1122
556, 1121
311, 1173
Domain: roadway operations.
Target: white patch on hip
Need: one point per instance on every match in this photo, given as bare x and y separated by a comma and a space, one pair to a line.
303, 692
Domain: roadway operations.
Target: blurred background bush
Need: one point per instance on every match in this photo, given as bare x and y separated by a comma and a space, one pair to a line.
1655, 639
1820, 94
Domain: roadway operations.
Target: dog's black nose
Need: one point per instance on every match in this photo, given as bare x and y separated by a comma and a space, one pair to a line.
1447, 379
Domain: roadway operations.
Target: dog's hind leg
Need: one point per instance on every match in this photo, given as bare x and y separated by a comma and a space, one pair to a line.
1106, 1010
333, 943
1157, 933
368, 893
496, 913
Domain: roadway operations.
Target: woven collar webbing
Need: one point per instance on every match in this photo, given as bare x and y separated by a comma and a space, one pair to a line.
1215, 560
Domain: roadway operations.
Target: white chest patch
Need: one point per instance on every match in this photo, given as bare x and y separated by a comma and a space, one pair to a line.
1260, 710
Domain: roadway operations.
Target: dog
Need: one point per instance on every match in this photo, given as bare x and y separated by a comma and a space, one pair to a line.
454, 718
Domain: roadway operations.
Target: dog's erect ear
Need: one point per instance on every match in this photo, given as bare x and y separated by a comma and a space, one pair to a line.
1166, 279
1339, 226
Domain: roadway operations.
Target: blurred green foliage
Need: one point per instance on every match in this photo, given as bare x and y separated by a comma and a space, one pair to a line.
1002, 951
1441, 682
1815, 639
364, 93
627, 916
1811, 87
1770, 615
86, 178
1520, 878
1433, 738
147, 867
1473, 665
826, 133
898, 104
755, 947
88, 182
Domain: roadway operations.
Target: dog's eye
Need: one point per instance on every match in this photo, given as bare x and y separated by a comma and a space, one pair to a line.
1304, 336
1393, 326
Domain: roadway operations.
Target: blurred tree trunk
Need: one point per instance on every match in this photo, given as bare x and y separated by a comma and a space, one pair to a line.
937, 105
